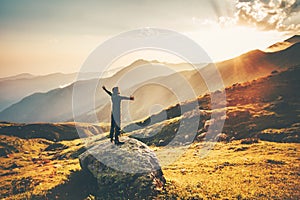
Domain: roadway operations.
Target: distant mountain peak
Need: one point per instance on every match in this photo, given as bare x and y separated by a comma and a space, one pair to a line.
294, 39
18, 76
140, 62
279, 46
143, 62
25, 74
253, 53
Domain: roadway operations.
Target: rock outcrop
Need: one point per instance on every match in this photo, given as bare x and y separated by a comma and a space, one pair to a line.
128, 171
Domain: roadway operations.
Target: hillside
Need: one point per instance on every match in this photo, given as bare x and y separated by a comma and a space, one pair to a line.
52, 132
243, 165
34, 108
161, 87
258, 64
231, 170
19, 76
266, 108
283, 45
246, 67
15, 88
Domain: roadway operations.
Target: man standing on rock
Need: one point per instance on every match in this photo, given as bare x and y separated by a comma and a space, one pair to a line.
116, 99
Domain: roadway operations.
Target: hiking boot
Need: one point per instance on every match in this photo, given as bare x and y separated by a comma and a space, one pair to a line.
119, 143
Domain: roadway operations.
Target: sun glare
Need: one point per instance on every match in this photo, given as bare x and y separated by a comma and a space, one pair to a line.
220, 43
225, 43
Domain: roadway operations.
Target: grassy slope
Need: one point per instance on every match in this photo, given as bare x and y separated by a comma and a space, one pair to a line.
30, 170
231, 170
267, 108
52, 131
236, 171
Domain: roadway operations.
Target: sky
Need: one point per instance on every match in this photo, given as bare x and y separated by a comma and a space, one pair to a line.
42, 37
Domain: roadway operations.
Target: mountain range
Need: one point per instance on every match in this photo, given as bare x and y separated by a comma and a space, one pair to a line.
246, 67
15, 88
283, 45
265, 108
256, 156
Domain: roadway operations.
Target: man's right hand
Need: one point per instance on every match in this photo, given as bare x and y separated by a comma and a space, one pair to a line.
132, 98
103, 87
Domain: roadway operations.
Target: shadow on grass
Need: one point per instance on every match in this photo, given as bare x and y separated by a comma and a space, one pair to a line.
79, 186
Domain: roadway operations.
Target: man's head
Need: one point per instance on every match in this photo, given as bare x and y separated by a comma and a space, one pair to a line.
116, 90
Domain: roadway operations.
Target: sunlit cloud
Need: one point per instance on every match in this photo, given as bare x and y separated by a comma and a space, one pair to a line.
265, 15
42, 37
281, 15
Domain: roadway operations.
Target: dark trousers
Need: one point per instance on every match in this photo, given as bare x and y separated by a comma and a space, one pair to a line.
114, 128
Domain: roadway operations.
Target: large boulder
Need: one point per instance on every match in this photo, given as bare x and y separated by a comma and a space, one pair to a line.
128, 171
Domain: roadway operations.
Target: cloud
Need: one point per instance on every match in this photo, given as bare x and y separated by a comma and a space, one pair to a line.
278, 15
281, 15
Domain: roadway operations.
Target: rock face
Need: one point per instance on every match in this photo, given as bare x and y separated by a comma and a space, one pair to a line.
128, 171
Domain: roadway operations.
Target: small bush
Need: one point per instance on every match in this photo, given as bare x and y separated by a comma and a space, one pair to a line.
249, 141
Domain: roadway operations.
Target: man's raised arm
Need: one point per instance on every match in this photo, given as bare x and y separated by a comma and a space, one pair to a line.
127, 98
108, 92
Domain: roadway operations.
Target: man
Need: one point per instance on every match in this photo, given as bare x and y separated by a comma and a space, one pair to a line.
116, 99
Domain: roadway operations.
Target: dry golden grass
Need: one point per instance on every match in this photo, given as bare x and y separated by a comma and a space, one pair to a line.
263, 170
267, 108
34, 171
